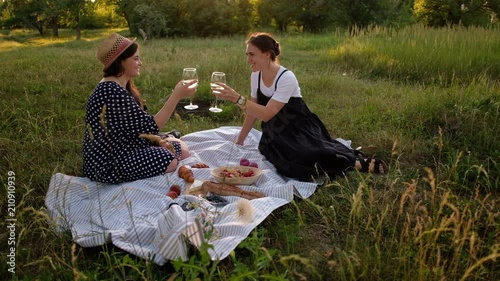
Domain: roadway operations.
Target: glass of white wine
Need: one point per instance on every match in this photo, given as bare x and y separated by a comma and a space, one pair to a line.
189, 74
217, 77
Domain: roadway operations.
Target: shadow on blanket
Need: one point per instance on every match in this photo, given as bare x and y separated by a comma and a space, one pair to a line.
139, 218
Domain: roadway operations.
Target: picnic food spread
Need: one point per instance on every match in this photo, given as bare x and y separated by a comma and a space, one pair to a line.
221, 188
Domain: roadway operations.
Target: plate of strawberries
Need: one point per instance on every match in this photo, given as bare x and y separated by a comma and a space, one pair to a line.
237, 175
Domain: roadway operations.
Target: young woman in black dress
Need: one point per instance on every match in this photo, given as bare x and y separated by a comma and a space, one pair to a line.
293, 138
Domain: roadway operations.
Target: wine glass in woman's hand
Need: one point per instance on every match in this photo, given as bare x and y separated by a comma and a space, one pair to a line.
221, 78
188, 75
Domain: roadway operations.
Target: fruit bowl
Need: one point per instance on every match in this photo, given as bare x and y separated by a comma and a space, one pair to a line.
236, 175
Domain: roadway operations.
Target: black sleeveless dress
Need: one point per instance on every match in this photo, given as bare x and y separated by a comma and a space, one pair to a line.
297, 143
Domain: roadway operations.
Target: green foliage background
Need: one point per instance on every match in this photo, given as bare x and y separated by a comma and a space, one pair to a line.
188, 18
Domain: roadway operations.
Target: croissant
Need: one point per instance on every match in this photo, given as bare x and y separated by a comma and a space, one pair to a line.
199, 165
186, 174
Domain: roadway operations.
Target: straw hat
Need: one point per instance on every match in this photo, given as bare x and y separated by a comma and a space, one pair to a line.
112, 47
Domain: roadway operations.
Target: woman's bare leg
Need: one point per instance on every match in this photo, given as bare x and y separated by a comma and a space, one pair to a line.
371, 162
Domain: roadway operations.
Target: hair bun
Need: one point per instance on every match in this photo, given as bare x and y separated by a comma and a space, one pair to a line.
276, 48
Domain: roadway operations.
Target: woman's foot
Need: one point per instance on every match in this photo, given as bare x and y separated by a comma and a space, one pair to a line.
371, 165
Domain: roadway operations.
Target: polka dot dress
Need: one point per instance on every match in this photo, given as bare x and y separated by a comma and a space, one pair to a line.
112, 149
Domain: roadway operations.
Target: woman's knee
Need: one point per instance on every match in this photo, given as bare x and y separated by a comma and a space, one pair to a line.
184, 150
172, 166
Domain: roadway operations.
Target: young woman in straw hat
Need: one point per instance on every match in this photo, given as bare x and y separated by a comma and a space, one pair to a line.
116, 118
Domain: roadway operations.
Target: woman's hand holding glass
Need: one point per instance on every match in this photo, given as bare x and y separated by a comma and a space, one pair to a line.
217, 77
184, 91
190, 76
225, 92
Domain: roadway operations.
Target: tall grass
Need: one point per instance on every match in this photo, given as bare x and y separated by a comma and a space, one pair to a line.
425, 100
423, 55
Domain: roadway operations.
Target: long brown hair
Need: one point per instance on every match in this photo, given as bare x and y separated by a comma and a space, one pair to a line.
116, 69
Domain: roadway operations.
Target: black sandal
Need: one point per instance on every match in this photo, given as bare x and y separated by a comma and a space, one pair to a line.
358, 152
379, 166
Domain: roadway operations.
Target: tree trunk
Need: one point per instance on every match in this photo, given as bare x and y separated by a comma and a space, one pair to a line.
55, 27
39, 27
78, 27
282, 26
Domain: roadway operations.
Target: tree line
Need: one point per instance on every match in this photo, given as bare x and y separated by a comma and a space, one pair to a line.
168, 18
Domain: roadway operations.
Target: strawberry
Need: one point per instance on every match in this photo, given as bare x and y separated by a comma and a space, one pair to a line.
248, 173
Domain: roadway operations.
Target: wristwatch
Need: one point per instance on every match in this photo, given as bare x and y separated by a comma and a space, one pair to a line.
241, 101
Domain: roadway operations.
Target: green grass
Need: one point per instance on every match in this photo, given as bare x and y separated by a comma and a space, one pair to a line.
425, 100
422, 55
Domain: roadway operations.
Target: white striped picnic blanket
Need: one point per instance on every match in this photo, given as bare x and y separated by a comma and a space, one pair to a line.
139, 218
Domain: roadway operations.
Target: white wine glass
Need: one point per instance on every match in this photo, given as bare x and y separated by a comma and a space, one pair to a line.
188, 75
221, 78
